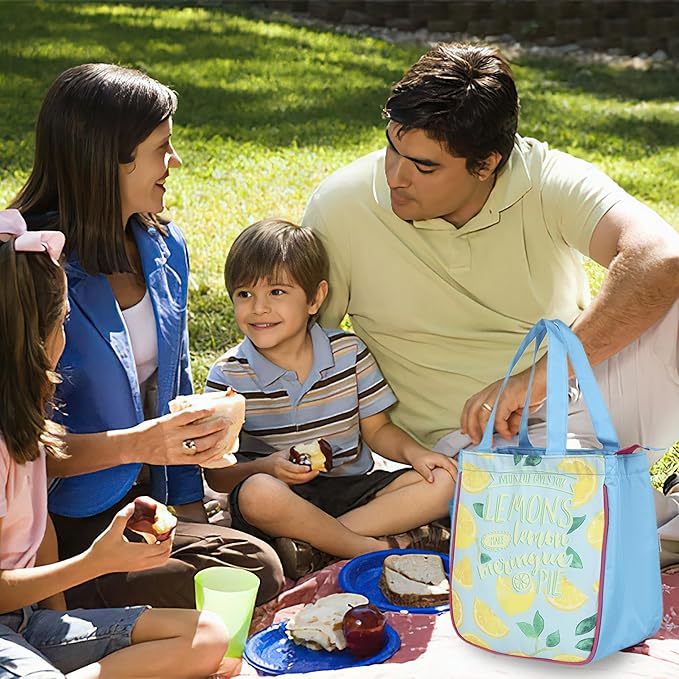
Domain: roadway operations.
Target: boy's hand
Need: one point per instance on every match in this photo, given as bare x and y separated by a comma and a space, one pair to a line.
289, 472
112, 552
424, 462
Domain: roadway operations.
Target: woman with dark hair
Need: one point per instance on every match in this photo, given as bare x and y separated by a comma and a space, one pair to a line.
103, 155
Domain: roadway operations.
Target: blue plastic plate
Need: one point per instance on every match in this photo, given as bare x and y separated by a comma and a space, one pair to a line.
362, 576
270, 651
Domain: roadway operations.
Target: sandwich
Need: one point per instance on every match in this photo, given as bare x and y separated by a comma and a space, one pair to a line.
227, 404
318, 626
414, 580
317, 454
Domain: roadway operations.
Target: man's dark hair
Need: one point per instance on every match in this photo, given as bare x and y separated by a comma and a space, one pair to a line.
463, 96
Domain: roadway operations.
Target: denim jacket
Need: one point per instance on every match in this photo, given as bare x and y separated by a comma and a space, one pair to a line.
99, 389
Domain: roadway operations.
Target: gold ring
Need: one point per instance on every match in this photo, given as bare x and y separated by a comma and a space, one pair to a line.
487, 407
189, 444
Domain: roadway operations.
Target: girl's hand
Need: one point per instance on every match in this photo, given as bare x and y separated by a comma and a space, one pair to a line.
112, 552
190, 436
423, 463
279, 465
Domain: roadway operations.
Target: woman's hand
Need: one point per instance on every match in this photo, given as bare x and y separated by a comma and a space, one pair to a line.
278, 464
112, 552
191, 436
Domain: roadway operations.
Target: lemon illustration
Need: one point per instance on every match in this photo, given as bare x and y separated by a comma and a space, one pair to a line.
465, 528
474, 480
475, 639
568, 657
570, 598
595, 587
458, 611
595, 531
462, 573
488, 622
521, 654
511, 602
586, 484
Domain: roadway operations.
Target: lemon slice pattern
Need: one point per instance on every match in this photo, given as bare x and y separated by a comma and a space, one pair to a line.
474, 480
510, 601
458, 611
570, 599
489, 623
465, 528
595, 531
474, 639
587, 480
462, 573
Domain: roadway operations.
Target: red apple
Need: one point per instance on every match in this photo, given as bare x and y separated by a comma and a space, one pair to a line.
146, 515
363, 628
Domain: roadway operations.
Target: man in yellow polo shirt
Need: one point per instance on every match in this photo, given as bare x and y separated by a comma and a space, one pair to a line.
450, 243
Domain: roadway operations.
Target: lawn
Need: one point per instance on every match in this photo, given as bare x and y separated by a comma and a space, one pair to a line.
268, 109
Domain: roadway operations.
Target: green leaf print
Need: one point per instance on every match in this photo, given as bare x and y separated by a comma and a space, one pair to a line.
538, 623
478, 508
576, 561
527, 629
585, 644
577, 522
533, 461
553, 639
484, 558
517, 458
586, 625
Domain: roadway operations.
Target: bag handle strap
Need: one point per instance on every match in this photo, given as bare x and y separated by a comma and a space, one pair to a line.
563, 344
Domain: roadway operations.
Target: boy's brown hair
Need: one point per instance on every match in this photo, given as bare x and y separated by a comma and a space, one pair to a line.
266, 249
32, 299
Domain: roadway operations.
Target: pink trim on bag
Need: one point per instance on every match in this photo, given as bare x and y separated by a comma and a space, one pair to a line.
630, 449
597, 629
452, 563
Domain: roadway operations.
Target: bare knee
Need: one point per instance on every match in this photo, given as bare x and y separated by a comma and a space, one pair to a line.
443, 485
209, 641
262, 497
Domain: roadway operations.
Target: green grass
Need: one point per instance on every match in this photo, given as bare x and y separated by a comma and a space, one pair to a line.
268, 109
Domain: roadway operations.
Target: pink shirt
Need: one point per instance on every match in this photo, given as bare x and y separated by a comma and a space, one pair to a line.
23, 509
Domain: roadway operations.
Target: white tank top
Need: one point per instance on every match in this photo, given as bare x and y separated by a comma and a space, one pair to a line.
141, 327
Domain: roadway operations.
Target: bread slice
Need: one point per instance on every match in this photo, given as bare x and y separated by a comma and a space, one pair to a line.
414, 580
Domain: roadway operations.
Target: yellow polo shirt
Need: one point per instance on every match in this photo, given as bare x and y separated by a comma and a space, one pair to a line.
444, 309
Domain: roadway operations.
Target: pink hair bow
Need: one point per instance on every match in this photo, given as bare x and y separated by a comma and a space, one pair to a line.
13, 224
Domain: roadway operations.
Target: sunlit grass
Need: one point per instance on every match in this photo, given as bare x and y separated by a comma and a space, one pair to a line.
268, 109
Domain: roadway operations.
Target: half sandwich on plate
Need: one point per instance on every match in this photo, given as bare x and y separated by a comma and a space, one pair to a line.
414, 580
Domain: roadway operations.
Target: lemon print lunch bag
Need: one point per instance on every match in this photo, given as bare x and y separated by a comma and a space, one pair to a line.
554, 552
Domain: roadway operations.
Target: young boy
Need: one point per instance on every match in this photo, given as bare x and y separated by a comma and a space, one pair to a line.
302, 383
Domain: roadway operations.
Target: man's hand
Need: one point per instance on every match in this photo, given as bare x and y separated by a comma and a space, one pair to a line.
475, 414
278, 464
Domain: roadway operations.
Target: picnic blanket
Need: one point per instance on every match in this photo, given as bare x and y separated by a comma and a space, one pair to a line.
430, 647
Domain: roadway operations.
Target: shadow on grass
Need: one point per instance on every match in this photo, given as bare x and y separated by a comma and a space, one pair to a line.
273, 84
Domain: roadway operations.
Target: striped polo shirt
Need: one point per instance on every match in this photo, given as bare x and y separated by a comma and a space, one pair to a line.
343, 386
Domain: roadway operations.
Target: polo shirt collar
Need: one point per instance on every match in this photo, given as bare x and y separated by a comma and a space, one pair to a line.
268, 373
511, 185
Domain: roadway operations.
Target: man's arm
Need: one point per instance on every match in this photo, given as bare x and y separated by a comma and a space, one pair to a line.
641, 252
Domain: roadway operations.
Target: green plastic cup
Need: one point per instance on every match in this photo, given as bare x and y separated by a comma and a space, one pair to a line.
231, 594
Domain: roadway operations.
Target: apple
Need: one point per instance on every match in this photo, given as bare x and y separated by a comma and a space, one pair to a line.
151, 518
363, 628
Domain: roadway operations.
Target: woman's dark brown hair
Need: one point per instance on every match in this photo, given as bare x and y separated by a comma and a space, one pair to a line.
91, 121
32, 305
463, 96
266, 249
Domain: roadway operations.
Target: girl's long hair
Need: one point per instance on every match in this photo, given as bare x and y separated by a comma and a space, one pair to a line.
92, 119
32, 299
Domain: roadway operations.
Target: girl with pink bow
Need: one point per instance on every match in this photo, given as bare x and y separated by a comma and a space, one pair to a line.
37, 634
